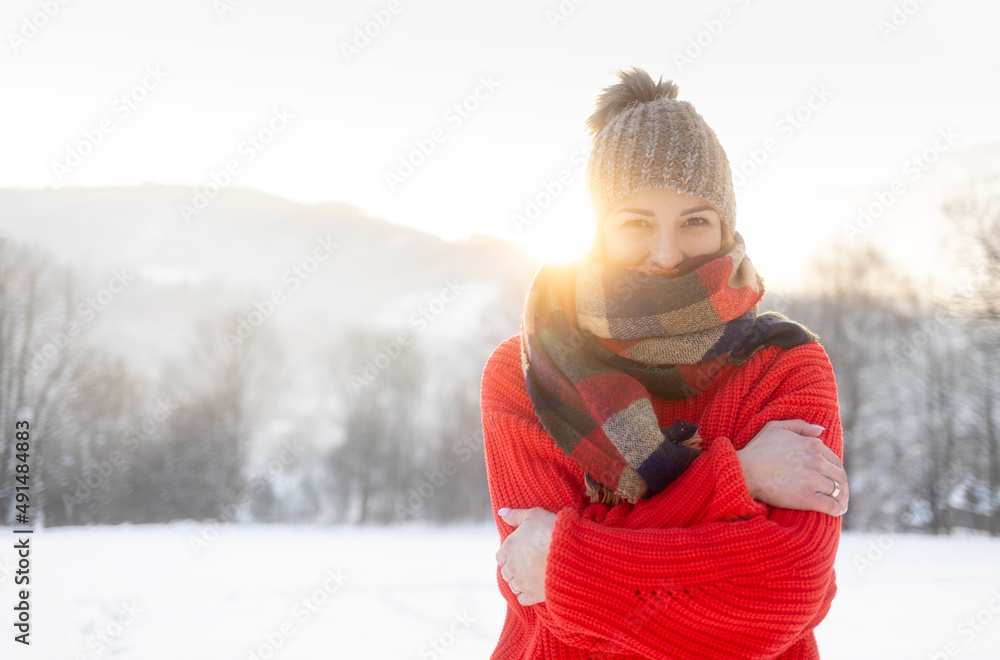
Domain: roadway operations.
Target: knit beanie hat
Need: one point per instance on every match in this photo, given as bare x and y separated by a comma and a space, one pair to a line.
643, 137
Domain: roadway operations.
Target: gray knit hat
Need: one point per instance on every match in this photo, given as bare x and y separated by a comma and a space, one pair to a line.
645, 138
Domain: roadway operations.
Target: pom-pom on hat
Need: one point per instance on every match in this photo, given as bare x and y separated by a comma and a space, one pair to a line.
643, 137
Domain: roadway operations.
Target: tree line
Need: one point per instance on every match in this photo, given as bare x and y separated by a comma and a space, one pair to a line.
202, 438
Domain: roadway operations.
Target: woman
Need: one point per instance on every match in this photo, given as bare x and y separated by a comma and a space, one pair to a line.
665, 462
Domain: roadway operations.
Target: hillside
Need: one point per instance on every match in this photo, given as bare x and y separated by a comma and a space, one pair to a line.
334, 267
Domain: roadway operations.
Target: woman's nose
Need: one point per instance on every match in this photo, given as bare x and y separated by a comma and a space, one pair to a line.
665, 252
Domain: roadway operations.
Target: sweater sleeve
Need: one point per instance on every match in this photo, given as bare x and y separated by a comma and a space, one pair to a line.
698, 570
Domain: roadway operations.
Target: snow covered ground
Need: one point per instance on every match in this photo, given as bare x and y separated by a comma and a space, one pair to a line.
259, 592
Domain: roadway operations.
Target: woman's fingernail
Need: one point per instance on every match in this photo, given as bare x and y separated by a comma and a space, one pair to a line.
503, 512
818, 426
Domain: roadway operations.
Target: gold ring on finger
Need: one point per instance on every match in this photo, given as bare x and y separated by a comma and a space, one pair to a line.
836, 490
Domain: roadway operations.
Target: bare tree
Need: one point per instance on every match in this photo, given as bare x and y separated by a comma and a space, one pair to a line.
974, 211
939, 427
458, 461
856, 304
87, 462
382, 382
194, 466
36, 329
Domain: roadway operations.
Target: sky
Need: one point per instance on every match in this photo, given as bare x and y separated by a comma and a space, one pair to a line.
460, 118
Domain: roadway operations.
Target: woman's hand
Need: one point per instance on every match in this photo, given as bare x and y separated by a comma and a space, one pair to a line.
523, 554
786, 465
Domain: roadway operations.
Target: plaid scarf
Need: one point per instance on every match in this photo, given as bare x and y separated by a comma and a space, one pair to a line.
598, 339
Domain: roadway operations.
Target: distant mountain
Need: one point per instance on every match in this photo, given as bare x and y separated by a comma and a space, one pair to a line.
242, 236
333, 268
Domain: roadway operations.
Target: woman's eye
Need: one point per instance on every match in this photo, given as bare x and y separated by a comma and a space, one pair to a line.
694, 222
637, 222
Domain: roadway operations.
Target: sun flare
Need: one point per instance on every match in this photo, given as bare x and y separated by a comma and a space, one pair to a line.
564, 236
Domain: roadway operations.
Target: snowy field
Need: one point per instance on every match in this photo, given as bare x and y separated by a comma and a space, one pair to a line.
261, 592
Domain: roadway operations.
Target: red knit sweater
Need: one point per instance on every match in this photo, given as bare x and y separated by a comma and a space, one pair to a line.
700, 570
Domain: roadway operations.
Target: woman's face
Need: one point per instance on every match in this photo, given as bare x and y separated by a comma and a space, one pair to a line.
660, 227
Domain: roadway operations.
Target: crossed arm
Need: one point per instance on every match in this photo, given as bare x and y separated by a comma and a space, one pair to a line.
785, 466
748, 571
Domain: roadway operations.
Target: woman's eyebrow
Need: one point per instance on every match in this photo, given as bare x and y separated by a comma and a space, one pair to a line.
636, 212
696, 209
